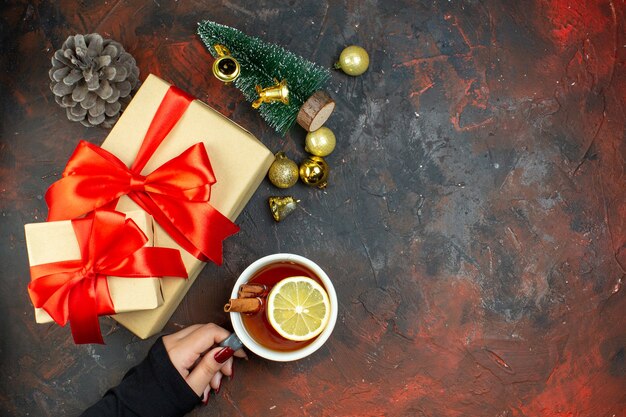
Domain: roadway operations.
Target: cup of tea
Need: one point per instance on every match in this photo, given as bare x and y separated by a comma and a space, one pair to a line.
255, 330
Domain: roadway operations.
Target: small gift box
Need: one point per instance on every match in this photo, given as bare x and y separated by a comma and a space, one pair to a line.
179, 160
99, 265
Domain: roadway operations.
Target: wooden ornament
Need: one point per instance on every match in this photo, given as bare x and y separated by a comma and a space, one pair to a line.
315, 111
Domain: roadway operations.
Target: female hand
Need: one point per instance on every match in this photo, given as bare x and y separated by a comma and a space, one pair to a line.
202, 365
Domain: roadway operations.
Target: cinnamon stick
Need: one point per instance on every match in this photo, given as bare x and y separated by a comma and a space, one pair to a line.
252, 290
244, 305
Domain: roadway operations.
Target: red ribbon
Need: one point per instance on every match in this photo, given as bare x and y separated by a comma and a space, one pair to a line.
77, 290
176, 194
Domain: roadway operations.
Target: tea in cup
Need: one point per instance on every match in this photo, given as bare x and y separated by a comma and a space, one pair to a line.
257, 331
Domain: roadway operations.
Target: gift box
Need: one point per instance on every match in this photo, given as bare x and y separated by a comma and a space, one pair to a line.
72, 265
225, 169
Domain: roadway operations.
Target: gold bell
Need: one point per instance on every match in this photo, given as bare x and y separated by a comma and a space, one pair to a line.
282, 207
225, 68
277, 92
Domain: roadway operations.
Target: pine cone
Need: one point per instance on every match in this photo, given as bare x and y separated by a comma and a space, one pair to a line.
92, 78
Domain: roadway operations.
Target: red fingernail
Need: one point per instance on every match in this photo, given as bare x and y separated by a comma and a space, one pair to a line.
206, 398
217, 391
224, 354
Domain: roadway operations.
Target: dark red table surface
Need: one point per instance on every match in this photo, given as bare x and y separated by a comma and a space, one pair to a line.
474, 225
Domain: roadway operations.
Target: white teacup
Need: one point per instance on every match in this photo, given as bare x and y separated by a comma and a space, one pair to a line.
275, 355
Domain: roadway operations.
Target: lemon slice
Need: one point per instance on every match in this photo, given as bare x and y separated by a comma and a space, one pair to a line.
298, 308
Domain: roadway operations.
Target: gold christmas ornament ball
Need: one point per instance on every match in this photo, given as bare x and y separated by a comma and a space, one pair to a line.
320, 142
314, 172
283, 172
353, 60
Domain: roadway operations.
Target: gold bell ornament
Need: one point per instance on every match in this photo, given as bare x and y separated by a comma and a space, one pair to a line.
277, 92
283, 172
314, 171
225, 68
282, 207
320, 142
353, 60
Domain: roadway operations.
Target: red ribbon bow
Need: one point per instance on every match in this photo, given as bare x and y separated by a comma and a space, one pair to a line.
77, 290
176, 194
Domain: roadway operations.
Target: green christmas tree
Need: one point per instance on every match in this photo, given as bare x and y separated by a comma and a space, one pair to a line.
261, 63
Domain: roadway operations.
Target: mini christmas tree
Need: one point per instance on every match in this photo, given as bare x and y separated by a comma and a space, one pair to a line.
261, 64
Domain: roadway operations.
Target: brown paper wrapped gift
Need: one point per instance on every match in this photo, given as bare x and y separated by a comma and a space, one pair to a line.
56, 241
239, 161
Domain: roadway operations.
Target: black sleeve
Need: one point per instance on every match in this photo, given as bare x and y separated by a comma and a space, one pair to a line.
152, 388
